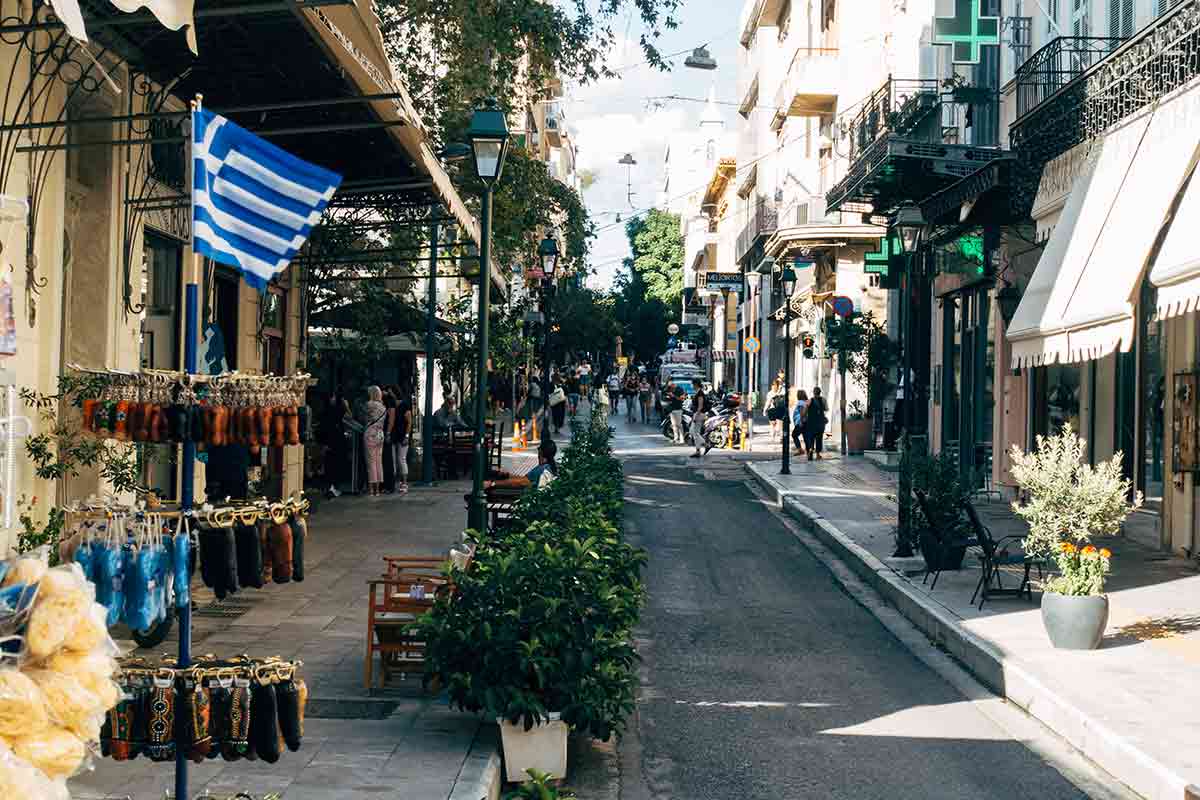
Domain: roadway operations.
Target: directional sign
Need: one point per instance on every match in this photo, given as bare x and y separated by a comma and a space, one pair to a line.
721, 280
967, 31
751, 344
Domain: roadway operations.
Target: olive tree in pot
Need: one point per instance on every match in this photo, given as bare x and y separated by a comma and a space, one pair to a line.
938, 478
1069, 503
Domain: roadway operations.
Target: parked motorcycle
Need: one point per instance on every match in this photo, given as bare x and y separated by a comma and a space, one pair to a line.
716, 426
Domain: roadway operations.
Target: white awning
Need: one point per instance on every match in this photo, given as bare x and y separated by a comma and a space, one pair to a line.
1176, 270
1078, 304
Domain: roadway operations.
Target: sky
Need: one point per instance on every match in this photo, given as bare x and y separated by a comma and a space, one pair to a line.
612, 117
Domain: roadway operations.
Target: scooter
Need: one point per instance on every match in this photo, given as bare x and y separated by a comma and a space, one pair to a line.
716, 426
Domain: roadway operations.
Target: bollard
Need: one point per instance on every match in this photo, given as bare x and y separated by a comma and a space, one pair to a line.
519, 438
533, 437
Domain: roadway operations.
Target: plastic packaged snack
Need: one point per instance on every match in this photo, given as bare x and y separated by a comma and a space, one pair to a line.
93, 670
27, 569
53, 620
23, 707
19, 778
65, 579
56, 752
90, 633
69, 704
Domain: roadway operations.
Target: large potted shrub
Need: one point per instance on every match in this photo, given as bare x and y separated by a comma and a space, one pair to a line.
858, 428
939, 479
537, 634
1069, 503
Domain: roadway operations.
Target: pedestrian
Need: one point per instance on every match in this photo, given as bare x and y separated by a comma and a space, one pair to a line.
646, 396
374, 417
675, 396
816, 417
558, 410
798, 421
538, 477
777, 409
389, 453
402, 436
572, 384
585, 380
602, 400
535, 396
630, 391
700, 409
333, 435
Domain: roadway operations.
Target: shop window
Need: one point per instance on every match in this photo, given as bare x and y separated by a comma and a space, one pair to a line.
1151, 400
273, 323
1055, 394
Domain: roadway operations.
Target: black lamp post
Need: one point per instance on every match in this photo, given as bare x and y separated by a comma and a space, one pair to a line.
548, 253
909, 224
488, 136
787, 280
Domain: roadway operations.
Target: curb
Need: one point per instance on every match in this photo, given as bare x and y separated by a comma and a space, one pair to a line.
1002, 674
479, 777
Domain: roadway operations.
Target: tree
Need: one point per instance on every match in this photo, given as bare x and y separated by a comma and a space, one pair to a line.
657, 244
585, 322
643, 319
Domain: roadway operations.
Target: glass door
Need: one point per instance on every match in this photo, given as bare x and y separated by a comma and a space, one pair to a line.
160, 343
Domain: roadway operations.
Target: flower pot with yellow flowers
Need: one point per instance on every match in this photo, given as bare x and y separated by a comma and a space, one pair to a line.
1068, 502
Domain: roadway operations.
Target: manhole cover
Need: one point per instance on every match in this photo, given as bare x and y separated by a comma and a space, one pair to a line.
350, 709
847, 478
229, 608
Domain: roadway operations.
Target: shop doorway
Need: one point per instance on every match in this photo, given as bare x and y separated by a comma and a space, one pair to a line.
969, 356
160, 343
1152, 383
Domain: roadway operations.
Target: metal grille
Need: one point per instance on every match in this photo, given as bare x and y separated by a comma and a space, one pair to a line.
229, 608
847, 479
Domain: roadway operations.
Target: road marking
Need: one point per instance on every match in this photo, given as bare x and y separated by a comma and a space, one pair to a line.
750, 704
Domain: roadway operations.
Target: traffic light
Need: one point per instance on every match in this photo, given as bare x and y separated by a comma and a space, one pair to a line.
809, 343
833, 334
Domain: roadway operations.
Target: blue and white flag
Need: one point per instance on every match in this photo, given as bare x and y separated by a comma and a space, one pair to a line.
253, 204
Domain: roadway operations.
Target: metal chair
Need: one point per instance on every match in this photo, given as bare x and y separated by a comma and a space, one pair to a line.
993, 555
938, 545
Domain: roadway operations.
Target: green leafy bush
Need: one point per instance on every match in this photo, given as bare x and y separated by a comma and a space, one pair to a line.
542, 622
540, 786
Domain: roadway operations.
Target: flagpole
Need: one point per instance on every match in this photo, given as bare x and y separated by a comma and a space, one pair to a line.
188, 471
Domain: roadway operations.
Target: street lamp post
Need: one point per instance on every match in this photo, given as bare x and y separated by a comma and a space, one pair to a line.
910, 225
548, 253
488, 136
787, 280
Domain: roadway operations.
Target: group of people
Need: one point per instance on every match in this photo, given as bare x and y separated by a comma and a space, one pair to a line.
809, 418
387, 420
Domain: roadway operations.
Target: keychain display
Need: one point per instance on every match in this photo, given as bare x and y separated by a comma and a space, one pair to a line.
238, 708
231, 408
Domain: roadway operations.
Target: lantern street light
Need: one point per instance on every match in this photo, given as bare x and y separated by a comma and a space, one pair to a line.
488, 136
548, 253
910, 226
787, 281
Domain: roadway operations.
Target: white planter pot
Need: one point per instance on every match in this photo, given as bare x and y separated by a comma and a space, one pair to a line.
543, 747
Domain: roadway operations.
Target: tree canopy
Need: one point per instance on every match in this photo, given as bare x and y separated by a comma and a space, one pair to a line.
657, 244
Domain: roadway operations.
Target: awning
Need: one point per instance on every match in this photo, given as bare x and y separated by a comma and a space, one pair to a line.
1176, 271
1077, 305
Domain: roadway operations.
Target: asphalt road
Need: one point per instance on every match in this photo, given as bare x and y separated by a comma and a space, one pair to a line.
762, 679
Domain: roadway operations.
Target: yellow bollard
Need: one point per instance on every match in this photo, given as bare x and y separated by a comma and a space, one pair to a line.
729, 439
746, 437
519, 438
533, 437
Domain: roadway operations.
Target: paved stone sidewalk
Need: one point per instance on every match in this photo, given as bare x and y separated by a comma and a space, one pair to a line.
415, 747
1127, 706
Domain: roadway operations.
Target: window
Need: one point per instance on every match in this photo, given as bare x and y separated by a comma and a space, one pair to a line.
1051, 19
1120, 19
784, 21
1081, 18
1166, 5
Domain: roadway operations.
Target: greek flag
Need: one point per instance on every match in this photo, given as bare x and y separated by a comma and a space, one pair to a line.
253, 204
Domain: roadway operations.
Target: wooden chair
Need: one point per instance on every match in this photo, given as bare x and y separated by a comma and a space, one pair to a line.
397, 601
993, 555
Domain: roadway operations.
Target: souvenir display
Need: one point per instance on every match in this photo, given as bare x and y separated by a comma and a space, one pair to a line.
56, 670
216, 410
232, 709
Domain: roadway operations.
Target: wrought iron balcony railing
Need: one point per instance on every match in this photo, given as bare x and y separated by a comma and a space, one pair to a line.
764, 221
1162, 57
897, 107
1056, 65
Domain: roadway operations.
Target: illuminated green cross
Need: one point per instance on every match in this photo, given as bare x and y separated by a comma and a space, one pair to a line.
967, 31
877, 261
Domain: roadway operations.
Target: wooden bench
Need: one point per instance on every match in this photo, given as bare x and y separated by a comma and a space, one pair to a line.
453, 452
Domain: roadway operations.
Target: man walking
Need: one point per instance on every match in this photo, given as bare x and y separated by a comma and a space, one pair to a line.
699, 415
675, 407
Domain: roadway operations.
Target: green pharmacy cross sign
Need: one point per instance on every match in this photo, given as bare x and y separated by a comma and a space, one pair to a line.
877, 261
967, 31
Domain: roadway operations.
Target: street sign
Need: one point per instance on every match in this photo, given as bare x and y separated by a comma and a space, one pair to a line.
721, 280
695, 319
843, 306
802, 263
534, 316
751, 345
672, 329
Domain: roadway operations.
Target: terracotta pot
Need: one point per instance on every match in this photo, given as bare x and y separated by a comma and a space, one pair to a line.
858, 435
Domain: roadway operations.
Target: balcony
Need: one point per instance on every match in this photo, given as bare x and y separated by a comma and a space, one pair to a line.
554, 126
898, 150
1057, 64
810, 87
764, 221
1066, 106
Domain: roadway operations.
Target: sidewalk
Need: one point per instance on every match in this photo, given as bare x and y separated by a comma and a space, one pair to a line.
396, 742
1128, 707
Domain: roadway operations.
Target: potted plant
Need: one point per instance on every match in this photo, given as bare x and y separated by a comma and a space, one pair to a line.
537, 634
938, 478
1069, 503
858, 428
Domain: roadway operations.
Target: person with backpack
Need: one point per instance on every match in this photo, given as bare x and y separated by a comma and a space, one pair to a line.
816, 417
700, 408
798, 421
